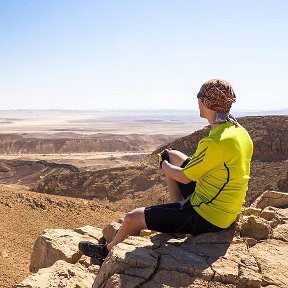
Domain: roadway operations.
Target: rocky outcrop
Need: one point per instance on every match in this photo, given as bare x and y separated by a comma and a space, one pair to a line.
55, 244
238, 257
271, 141
113, 184
63, 274
27, 172
271, 198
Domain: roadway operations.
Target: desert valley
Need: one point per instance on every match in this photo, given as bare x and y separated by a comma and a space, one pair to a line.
66, 170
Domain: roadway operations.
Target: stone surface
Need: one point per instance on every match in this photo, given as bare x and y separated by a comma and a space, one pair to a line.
110, 231
250, 242
271, 257
255, 227
268, 213
59, 244
94, 232
282, 214
147, 232
281, 232
251, 211
133, 257
186, 262
271, 198
61, 274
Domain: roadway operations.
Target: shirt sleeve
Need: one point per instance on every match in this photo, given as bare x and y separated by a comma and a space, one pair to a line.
206, 158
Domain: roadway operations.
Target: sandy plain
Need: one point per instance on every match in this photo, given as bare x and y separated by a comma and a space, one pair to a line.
67, 122
87, 161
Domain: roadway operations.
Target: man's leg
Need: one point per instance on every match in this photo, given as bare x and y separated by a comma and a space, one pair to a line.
133, 223
176, 158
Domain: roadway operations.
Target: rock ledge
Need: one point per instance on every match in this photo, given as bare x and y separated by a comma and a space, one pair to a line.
252, 253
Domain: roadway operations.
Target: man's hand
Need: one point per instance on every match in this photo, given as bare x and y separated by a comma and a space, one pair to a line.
162, 156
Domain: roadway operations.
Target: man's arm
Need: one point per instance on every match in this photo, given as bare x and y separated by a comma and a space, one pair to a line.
175, 172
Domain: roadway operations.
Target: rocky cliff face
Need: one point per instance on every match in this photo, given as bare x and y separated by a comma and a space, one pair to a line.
270, 137
28, 172
113, 184
250, 254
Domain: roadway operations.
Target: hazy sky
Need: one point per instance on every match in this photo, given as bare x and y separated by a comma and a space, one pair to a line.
141, 54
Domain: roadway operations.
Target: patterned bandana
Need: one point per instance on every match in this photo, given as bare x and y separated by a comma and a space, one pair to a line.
217, 95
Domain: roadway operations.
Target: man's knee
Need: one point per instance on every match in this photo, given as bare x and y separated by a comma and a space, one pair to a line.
135, 216
129, 218
176, 157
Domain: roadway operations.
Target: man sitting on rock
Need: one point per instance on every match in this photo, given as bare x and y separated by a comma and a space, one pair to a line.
208, 189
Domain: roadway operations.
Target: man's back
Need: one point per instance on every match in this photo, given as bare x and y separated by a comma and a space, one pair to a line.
221, 168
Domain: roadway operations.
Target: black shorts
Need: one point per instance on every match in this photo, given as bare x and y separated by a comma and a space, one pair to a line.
187, 189
178, 217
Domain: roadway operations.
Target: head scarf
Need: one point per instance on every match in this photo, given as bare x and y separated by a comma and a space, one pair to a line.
218, 95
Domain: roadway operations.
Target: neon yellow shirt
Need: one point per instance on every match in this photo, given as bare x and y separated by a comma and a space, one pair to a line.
221, 169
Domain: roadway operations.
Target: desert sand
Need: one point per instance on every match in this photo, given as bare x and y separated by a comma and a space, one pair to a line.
67, 122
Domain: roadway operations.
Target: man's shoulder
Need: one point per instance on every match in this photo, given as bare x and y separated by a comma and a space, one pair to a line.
208, 143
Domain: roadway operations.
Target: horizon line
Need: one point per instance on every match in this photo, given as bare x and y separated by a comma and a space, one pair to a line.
135, 109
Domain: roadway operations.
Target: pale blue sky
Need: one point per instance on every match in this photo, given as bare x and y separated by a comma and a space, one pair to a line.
117, 54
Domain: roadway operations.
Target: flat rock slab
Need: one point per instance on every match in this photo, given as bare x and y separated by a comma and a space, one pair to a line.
271, 256
60, 244
61, 274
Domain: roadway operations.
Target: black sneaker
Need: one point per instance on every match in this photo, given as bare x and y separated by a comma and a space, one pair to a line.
93, 250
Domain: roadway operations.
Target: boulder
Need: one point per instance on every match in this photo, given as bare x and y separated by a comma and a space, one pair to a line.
110, 231
271, 198
281, 232
255, 227
134, 258
61, 274
251, 211
91, 231
60, 244
268, 213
